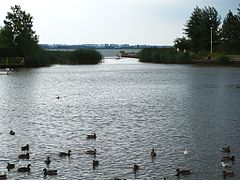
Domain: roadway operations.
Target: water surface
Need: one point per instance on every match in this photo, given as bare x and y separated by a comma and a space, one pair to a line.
132, 107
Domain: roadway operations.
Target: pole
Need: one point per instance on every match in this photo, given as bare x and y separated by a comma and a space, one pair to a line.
211, 46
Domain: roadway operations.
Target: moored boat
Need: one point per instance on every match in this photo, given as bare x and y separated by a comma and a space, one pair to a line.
5, 71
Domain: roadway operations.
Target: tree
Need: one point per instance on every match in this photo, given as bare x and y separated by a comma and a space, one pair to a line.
1, 38
238, 11
230, 32
199, 26
17, 31
183, 44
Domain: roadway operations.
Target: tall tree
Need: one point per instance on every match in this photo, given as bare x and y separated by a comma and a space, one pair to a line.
198, 28
17, 31
183, 44
238, 11
231, 32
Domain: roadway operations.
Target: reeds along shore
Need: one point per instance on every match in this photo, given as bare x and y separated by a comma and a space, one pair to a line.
172, 56
39, 57
45, 58
163, 55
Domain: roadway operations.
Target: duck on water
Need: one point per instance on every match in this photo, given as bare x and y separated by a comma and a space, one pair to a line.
49, 172
183, 172
24, 156
24, 169
3, 176
62, 154
225, 149
25, 148
10, 166
91, 152
47, 161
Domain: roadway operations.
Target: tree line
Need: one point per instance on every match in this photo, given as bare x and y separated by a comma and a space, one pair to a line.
205, 36
17, 38
204, 28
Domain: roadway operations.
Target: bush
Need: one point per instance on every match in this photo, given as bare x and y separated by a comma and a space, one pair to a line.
223, 60
163, 55
83, 56
40, 57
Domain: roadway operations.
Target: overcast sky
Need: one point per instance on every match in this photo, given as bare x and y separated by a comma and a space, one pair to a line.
154, 22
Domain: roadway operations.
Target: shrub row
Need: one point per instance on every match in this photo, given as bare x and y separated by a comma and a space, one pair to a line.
163, 55
42, 57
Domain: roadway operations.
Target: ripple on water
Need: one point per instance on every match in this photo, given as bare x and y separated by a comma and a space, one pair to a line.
132, 108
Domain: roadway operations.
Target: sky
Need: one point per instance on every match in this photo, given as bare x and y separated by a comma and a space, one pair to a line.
152, 22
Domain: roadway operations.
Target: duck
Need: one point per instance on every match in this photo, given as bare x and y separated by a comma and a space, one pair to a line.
115, 178
228, 173
185, 152
24, 169
91, 152
225, 164
12, 132
153, 153
92, 136
95, 163
3, 176
25, 148
49, 172
225, 149
183, 172
227, 158
24, 156
47, 161
135, 168
10, 166
65, 154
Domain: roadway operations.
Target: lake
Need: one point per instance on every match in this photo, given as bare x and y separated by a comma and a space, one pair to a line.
132, 107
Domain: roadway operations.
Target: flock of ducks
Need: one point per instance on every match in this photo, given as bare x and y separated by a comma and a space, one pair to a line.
46, 171
26, 155
226, 161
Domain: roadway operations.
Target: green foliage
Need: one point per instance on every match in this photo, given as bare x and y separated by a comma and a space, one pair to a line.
223, 60
198, 56
198, 28
41, 57
17, 31
163, 55
18, 39
183, 44
205, 23
5, 41
8, 52
231, 33
37, 58
83, 56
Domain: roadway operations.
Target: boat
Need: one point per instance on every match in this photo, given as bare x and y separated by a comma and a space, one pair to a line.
117, 56
5, 71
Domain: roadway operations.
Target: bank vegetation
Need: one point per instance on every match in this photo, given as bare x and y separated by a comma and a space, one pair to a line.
18, 39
